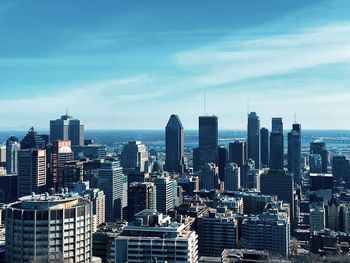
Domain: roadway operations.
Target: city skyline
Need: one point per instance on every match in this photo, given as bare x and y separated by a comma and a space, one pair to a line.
281, 57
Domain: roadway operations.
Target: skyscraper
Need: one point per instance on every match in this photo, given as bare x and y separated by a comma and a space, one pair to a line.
318, 151
237, 152
134, 157
174, 145
208, 139
31, 171
265, 147
222, 161
208, 177
232, 177
33, 140
294, 152
67, 128
276, 145
253, 139
12, 148
165, 193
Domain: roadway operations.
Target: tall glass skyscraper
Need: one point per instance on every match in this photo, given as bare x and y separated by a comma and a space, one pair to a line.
265, 147
294, 152
208, 139
67, 128
253, 139
174, 145
276, 145
12, 148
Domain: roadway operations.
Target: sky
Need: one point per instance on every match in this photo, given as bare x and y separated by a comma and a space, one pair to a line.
131, 64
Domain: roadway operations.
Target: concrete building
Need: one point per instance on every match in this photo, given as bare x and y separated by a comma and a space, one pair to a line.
216, 232
134, 157
154, 238
232, 177
208, 177
269, 231
317, 216
43, 228
31, 171
165, 193
66, 128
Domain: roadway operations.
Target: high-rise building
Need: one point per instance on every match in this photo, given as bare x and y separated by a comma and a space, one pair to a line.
43, 228
269, 231
66, 128
134, 157
294, 152
8, 188
237, 153
60, 155
195, 159
317, 216
265, 147
276, 145
216, 230
222, 161
141, 196
31, 171
2, 155
33, 140
341, 168
73, 171
12, 148
318, 148
174, 145
89, 151
208, 177
232, 177
208, 139
253, 138
154, 238
165, 193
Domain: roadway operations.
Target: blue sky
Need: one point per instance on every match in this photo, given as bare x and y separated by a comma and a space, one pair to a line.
130, 64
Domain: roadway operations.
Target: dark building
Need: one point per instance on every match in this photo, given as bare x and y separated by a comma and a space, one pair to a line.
141, 196
208, 139
195, 159
281, 184
66, 128
8, 188
222, 161
89, 151
341, 168
253, 138
320, 182
237, 152
33, 140
73, 171
318, 149
189, 184
265, 147
294, 152
174, 145
276, 145
12, 148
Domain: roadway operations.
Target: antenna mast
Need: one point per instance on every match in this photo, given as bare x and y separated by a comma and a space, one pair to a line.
205, 101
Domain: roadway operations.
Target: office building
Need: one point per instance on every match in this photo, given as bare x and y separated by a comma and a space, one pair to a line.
237, 153
165, 193
141, 196
265, 147
43, 228
318, 157
8, 188
341, 168
253, 139
89, 151
245, 255
294, 152
232, 177
73, 171
66, 128
134, 157
195, 159
208, 177
33, 140
269, 231
222, 161
61, 154
154, 238
12, 148
276, 145
189, 184
208, 139
317, 216
3, 155
31, 171
217, 230
174, 145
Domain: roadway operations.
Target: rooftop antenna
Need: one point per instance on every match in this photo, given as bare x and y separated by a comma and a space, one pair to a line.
66, 112
205, 101
295, 118
247, 107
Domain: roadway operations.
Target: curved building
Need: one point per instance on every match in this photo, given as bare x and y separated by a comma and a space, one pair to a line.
43, 228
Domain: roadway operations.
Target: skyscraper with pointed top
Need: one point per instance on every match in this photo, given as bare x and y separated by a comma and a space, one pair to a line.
253, 139
174, 145
66, 128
